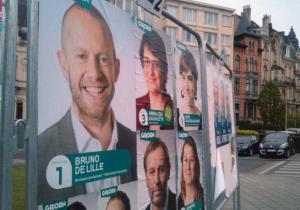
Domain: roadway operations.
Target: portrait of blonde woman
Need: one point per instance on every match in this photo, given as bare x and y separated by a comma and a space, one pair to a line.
191, 189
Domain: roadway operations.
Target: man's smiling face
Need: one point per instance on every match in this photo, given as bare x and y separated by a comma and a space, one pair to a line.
88, 63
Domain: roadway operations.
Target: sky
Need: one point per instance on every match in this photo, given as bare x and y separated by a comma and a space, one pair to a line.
284, 13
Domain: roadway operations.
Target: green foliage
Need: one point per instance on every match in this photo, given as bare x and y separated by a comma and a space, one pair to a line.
244, 124
271, 105
293, 120
247, 132
19, 187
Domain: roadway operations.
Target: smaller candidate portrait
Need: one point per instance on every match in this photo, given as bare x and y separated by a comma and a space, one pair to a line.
188, 92
189, 186
154, 104
156, 172
118, 201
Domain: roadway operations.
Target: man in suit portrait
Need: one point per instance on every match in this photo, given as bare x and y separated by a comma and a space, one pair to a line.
157, 171
89, 64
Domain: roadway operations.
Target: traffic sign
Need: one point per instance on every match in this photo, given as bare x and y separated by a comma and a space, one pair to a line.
153, 6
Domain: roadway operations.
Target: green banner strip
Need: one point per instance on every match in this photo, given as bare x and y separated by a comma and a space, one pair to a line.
192, 120
197, 205
93, 166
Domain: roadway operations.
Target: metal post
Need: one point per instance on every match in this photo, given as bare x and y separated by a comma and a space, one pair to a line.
7, 128
31, 128
236, 193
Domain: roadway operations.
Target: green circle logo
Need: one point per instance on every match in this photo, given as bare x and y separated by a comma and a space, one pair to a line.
168, 114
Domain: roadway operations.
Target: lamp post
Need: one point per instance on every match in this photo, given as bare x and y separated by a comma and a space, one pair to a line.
285, 114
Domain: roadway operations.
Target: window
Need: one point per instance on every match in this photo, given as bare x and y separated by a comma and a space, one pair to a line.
237, 111
237, 63
227, 21
211, 38
120, 3
171, 31
250, 110
255, 86
211, 18
172, 10
247, 85
226, 59
19, 110
225, 39
250, 64
237, 86
190, 15
188, 37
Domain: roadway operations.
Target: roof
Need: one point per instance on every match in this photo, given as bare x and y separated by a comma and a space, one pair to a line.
246, 27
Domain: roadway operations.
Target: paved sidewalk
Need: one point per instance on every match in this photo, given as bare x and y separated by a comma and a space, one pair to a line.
270, 191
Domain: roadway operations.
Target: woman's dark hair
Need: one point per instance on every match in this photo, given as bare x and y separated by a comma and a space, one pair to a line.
187, 61
196, 182
121, 196
76, 206
154, 42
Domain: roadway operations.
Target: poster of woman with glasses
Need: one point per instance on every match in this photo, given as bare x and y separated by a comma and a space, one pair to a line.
154, 85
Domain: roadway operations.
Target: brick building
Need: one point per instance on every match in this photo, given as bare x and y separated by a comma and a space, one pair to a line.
247, 65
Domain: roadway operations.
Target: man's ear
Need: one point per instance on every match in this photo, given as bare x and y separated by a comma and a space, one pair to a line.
117, 69
63, 64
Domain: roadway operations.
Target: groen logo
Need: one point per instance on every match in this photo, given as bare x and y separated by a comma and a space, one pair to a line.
87, 4
109, 192
181, 46
183, 135
168, 114
144, 26
148, 135
60, 205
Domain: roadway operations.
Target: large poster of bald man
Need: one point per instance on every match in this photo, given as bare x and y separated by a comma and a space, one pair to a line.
86, 132
222, 134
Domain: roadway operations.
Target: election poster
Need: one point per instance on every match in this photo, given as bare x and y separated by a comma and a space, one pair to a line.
86, 132
190, 169
188, 92
154, 79
222, 134
156, 163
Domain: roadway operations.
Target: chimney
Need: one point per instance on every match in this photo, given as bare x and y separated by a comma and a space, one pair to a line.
247, 12
266, 21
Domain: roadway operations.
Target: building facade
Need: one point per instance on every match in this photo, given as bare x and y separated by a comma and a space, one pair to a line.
213, 23
247, 66
281, 63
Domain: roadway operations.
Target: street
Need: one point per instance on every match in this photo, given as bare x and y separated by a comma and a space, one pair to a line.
269, 183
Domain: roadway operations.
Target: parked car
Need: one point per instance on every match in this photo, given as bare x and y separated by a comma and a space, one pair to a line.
280, 143
295, 130
247, 144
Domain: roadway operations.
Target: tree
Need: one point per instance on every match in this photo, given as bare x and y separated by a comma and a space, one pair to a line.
271, 105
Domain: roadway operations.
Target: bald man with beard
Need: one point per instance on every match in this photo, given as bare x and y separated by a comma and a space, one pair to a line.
89, 64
